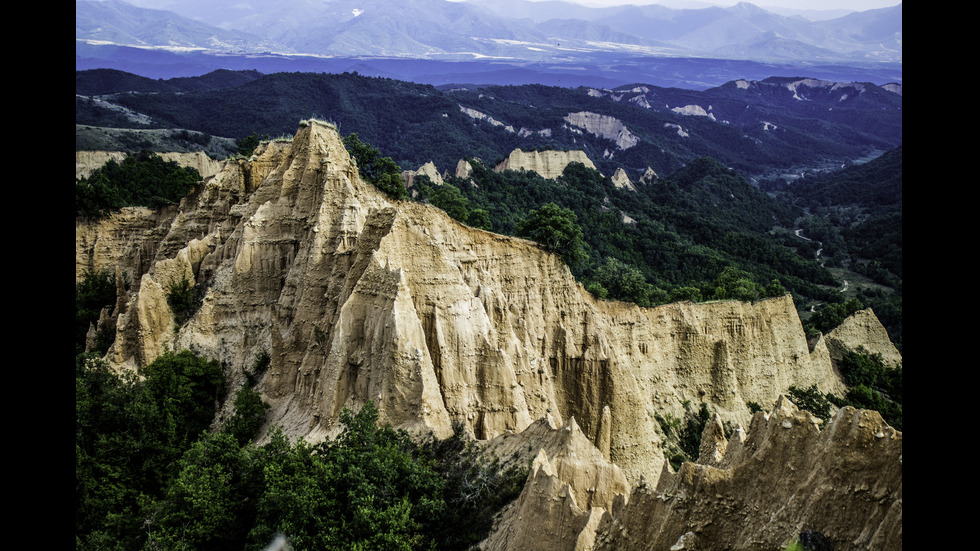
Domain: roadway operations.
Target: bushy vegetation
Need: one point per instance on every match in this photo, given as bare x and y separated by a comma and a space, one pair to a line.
703, 233
151, 473
556, 228
384, 173
449, 198
856, 215
870, 385
683, 434
810, 540
185, 299
246, 145
831, 315
812, 400
141, 179
129, 433
95, 292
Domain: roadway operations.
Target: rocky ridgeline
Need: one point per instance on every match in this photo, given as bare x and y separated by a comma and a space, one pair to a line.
763, 488
549, 164
354, 297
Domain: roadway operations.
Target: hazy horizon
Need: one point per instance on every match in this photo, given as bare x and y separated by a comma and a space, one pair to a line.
811, 5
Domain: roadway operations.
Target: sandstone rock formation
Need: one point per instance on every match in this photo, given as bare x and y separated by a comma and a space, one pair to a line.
621, 180
604, 126
694, 111
862, 330
355, 297
478, 115
464, 169
428, 169
570, 486
784, 477
549, 164
649, 176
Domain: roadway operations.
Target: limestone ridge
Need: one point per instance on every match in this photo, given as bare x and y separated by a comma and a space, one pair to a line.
357, 298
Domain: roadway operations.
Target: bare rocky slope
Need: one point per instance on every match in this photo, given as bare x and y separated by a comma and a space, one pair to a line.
355, 298
761, 489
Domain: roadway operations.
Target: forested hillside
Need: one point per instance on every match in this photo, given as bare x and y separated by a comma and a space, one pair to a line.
676, 238
150, 474
756, 129
856, 215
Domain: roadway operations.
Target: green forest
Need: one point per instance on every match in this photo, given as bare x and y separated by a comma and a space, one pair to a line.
150, 474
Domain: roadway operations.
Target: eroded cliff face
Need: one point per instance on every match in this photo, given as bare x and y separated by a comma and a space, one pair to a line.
764, 488
358, 298
604, 126
862, 330
571, 485
549, 164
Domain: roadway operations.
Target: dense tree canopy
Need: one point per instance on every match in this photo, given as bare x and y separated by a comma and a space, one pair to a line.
557, 229
380, 171
149, 472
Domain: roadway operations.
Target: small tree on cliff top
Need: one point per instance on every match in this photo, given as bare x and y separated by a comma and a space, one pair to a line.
557, 229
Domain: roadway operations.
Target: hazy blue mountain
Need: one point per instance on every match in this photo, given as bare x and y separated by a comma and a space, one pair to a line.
514, 29
118, 22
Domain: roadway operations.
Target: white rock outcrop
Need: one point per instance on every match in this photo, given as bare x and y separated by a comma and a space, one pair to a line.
549, 164
604, 126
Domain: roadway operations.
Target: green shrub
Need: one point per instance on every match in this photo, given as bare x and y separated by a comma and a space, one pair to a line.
556, 228
683, 435
873, 385
623, 282
130, 433
812, 400
141, 179
249, 416
378, 170
832, 315
246, 146
184, 299
95, 292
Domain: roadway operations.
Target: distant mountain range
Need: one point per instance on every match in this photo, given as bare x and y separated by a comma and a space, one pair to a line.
502, 34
